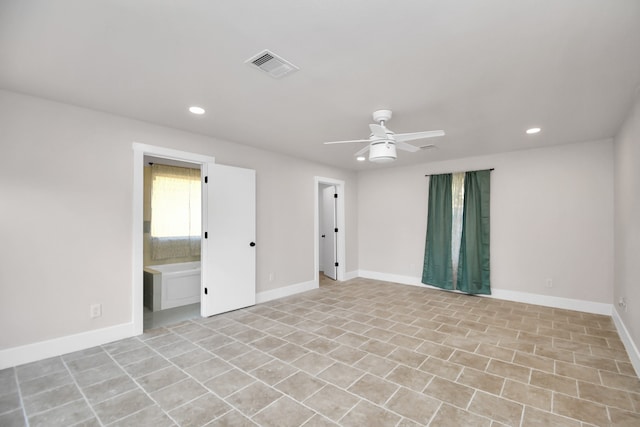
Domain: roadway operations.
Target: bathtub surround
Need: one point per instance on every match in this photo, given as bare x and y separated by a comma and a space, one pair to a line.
171, 285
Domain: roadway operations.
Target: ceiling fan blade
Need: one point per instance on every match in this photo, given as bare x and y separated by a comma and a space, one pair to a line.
406, 147
418, 135
346, 142
378, 131
364, 150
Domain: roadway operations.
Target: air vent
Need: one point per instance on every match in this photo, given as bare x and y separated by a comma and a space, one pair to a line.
272, 64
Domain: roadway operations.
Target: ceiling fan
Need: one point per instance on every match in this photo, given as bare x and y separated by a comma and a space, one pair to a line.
383, 142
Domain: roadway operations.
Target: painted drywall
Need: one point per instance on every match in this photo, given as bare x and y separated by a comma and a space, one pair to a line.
551, 218
627, 223
66, 180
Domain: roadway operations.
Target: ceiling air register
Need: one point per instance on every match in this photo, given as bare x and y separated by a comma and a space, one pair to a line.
272, 64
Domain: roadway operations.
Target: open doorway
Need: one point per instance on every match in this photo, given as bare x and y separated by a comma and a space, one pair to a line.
228, 232
328, 250
143, 155
171, 241
329, 230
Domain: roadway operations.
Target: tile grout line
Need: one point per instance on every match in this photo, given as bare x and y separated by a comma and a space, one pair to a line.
84, 397
43, 391
296, 370
345, 312
138, 385
233, 407
20, 397
214, 356
317, 391
435, 412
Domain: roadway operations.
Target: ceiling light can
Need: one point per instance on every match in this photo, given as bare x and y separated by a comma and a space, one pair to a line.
532, 131
196, 110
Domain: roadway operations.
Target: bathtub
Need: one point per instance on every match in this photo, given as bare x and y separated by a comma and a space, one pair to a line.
171, 285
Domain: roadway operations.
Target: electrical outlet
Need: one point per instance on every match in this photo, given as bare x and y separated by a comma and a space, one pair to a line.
95, 310
549, 283
622, 303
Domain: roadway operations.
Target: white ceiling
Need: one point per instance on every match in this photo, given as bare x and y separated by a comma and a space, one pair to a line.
483, 71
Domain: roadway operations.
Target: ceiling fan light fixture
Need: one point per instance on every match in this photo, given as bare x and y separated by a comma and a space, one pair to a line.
383, 152
383, 142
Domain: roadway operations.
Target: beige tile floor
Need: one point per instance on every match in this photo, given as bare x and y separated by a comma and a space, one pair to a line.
359, 353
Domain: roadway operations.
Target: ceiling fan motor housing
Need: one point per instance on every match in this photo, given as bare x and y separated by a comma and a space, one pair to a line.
381, 115
382, 152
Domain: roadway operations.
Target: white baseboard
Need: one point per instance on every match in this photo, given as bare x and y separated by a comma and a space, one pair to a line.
629, 345
503, 294
297, 288
350, 275
551, 301
58, 346
544, 300
386, 277
286, 291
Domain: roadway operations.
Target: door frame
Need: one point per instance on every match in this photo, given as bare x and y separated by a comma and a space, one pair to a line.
340, 219
139, 151
327, 222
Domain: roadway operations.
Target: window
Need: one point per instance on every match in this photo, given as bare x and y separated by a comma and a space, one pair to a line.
175, 204
457, 209
175, 212
458, 231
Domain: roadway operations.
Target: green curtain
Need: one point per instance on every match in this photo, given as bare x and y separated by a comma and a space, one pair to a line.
437, 270
473, 265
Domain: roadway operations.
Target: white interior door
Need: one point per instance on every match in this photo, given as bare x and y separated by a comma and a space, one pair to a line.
229, 260
329, 247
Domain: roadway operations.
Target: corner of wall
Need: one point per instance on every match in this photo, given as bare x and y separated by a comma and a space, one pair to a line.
629, 345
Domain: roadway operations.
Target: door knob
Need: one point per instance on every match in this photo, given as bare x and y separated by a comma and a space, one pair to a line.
252, 244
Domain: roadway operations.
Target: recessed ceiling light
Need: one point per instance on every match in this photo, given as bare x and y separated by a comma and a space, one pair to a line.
196, 110
361, 158
531, 131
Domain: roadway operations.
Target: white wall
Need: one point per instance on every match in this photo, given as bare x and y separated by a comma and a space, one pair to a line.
66, 217
627, 226
66, 185
551, 217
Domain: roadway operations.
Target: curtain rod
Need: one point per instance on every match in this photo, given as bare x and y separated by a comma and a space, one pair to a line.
462, 171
